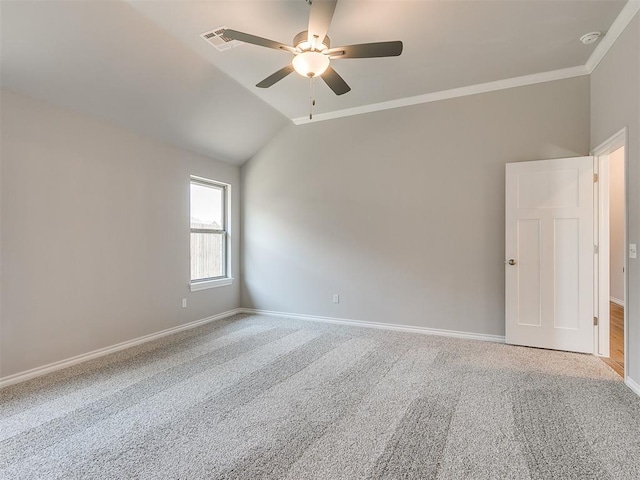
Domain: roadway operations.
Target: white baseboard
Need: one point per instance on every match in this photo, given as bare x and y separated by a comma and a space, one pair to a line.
633, 386
52, 367
384, 326
617, 301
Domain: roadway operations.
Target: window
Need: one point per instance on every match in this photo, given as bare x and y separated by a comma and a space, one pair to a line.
209, 234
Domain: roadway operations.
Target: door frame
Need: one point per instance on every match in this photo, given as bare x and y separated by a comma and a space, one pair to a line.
601, 154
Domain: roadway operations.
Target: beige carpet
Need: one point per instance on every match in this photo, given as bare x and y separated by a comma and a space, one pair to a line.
253, 397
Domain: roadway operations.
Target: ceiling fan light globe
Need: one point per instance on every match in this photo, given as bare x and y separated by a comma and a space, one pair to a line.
310, 64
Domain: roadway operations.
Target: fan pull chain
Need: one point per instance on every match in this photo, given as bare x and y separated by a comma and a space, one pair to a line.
312, 95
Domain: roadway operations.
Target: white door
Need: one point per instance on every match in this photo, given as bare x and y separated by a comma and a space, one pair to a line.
550, 254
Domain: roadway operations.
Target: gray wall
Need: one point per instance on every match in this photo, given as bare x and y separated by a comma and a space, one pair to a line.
615, 103
95, 235
400, 212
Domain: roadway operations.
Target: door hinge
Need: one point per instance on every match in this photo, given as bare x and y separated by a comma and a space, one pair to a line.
595, 321
595, 178
596, 249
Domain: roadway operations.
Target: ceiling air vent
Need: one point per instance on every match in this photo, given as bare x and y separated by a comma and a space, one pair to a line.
216, 38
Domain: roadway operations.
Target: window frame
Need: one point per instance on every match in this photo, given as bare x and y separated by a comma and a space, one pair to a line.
226, 278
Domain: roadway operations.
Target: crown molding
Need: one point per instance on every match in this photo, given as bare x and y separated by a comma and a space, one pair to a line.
617, 27
448, 94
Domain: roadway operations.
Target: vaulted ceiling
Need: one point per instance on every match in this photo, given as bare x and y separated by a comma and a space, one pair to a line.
105, 59
142, 64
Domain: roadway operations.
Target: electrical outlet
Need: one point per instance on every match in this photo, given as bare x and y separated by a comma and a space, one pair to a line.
336, 298
184, 303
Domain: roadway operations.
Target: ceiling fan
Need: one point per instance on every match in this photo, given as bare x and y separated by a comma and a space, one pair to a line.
312, 52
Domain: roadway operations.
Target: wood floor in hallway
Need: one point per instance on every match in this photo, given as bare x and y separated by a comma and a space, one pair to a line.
616, 339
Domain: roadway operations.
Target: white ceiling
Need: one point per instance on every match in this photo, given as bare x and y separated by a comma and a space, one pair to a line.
143, 65
447, 44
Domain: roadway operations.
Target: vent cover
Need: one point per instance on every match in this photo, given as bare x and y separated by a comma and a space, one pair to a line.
216, 38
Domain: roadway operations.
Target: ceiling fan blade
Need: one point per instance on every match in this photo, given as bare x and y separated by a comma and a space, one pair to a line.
262, 42
335, 81
367, 50
320, 19
276, 77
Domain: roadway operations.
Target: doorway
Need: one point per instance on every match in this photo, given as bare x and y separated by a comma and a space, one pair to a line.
567, 253
617, 246
611, 285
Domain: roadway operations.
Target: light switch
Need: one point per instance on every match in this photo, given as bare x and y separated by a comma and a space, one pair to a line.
633, 250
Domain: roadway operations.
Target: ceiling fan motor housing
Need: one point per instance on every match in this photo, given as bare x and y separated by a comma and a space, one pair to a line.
301, 41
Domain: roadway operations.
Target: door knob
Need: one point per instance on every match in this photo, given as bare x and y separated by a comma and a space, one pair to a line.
512, 261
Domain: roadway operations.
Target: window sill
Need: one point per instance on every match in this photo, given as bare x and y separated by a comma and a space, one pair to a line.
220, 282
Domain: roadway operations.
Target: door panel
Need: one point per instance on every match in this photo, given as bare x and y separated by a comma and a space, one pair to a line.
549, 235
548, 189
566, 270
529, 275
